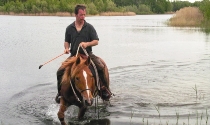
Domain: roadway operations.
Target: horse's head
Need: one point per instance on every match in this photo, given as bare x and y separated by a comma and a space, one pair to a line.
83, 79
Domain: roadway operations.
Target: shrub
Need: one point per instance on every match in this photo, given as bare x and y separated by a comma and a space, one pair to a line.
188, 16
205, 8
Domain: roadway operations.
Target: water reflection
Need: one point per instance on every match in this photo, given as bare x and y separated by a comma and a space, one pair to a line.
94, 122
206, 30
99, 122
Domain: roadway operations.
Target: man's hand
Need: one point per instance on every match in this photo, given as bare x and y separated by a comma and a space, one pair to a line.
66, 51
84, 44
66, 46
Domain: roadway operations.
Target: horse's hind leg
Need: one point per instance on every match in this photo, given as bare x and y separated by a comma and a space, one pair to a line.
61, 111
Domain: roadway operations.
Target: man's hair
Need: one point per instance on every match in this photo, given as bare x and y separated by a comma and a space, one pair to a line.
79, 6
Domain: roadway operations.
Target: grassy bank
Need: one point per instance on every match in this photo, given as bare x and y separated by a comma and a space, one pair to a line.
66, 14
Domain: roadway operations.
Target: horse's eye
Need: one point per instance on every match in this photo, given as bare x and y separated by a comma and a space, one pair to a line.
77, 78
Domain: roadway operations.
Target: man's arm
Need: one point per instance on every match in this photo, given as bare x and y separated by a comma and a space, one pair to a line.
86, 44
66, 48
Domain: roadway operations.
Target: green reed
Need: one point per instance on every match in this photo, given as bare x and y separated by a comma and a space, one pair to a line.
167, 122
196, 91
143, 121
158, 110
207, 117
177, 118
132, 114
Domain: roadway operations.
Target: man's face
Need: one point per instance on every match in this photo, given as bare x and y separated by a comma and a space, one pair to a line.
81, 15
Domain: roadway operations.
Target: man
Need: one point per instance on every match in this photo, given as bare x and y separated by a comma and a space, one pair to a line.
82, 33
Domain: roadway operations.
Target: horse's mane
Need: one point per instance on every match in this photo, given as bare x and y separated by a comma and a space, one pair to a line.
72, 67
67, 65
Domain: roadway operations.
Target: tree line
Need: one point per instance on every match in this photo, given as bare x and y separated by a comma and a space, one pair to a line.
98, 6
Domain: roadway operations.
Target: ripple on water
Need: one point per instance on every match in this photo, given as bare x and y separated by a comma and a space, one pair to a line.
167, 86
141, 91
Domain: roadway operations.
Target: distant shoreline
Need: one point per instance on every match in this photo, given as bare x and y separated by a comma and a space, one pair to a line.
67, 14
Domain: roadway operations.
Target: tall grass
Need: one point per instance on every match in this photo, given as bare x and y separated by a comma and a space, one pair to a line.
196, 91
158, 110
132, 113
188, 16
117, 14
69, 14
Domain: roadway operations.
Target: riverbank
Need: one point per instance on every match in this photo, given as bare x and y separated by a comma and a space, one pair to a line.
66, 14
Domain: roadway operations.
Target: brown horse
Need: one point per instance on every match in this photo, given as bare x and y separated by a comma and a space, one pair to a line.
79, 86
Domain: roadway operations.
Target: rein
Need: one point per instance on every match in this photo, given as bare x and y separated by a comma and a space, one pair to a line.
97, 80
94, 66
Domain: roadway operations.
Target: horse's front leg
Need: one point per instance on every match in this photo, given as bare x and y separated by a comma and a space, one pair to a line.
82, 111
61, 111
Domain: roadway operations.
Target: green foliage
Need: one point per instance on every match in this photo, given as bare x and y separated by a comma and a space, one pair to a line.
131, 8
177, 5
93, 10
205, 8
98, 6
1, 8
144, 9
110, 6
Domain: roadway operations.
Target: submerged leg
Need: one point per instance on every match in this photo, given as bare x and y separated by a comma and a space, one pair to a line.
61, 111
105, 92
103, 73
82, 111
60, 73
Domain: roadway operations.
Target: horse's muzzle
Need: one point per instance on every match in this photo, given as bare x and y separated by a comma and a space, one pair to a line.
88, 102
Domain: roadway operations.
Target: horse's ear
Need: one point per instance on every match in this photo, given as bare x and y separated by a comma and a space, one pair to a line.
87, 62
78, 61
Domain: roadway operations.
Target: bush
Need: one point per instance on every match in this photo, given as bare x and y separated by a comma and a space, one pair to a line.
132, 8
2, 9
205, 8
93, 10
144, 9
35, 9
188, 16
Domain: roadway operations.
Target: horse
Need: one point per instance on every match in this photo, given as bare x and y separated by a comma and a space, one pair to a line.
79, 85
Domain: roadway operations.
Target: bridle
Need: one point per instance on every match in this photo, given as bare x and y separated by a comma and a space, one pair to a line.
97, 78
73, 86
85, 90
97, 82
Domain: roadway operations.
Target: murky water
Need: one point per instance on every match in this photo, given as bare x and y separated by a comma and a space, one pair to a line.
155, 71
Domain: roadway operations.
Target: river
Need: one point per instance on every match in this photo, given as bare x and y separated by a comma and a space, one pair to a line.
159, 74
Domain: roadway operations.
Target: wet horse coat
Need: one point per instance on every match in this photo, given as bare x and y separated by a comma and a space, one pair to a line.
78, 86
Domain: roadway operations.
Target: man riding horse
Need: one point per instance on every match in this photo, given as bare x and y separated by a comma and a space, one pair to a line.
81, 33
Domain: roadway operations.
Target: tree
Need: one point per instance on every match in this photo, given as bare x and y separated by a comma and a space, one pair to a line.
93, 10
205, 8
110, 5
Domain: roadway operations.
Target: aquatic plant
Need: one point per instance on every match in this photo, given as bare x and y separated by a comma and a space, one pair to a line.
132, 113
207, 117
177, 118
157, 108
196, 91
